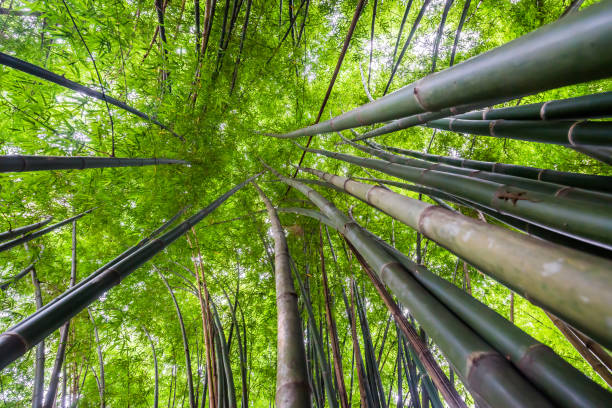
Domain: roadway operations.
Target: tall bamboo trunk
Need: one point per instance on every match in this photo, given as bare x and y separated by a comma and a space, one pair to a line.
291, 376
19, 163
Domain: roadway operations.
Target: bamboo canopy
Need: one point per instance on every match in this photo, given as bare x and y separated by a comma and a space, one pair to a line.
17, 340
573, 272
585, 35
39, 163
470, 355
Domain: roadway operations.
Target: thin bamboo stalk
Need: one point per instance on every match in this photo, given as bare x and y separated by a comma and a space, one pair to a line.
27, 238
466, 7
585, 35
562, 215
487, 374
572, 272
572, 133
447, 7
23, 230
42, 73
333, 332
415, 25
51, 395
39, 364
185, 340
575, 341
588, 181
18, 339
291, 375
17, 163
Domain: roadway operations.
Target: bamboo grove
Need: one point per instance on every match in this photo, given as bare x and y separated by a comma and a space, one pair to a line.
305, 203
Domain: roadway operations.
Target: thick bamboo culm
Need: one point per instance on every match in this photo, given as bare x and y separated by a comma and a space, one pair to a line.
12, 233
562, 215
18, 163
533, 63
589, 106
291, 375
586, 181
543, 187
42, 73
117, 259
491, 379
440, 197
572, 133
580, 281
27, 238
18, 339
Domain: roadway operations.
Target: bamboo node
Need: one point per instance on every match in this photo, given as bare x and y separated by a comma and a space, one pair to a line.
492, 128
383, 268
543, 110
19, 337
424, 215
570, 132
450, 123
563, 191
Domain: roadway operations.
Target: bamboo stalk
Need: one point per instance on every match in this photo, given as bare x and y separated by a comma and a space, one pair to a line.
580, 280
572, 133
501, 385
291, 376
42, 73
582, 107
528, 65
27, 238
564, 216
38, 388
575, 341
540, 186
597, 105
17, 163
333, 332
422, 351
11, 233
466, 7
588, 181
18, 339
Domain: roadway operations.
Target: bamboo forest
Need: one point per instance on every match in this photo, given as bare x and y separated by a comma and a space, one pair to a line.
305, 203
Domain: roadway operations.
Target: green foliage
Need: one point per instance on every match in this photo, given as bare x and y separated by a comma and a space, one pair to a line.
224, 147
